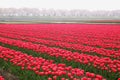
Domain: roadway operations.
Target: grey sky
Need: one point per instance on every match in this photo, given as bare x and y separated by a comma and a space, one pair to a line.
63, 4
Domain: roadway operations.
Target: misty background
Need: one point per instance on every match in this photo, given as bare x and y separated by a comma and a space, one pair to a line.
59, 10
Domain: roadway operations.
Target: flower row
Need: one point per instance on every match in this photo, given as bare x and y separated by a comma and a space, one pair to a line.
76, 47
45, 67
97, 62
81, 37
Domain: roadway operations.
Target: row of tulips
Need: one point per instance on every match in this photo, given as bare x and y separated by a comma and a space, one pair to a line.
82, 40
75, 47
69, 29
87, 41
97, 62
43, 67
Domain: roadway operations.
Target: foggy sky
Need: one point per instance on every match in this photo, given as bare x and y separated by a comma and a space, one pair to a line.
62, 4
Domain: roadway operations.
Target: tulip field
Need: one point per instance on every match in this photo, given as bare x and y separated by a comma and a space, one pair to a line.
60, 51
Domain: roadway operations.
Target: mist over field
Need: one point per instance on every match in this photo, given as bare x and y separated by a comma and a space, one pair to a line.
75, 15
63, 10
